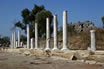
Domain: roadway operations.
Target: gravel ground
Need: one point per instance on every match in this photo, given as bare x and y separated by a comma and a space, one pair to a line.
20, 61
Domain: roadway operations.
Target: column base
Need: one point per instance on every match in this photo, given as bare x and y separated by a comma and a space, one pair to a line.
55, 49
91, 49
64, 49
47, 49
31, 48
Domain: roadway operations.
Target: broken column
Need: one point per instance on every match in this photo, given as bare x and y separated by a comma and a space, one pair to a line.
36, 36
14, 40
93, 40
47, 34
19, 38
32, 44
65, 38
55, 33
28, 37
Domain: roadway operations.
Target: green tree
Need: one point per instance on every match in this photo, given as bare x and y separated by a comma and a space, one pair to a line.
71, 29
4, 39
103, 21
41, 20
23, 38
37, 15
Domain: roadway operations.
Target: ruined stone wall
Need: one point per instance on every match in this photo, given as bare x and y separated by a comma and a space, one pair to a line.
83, 26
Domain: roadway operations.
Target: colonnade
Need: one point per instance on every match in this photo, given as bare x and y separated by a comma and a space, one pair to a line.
30, 45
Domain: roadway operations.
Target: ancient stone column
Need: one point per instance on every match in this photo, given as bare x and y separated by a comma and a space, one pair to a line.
16, 44
19, 38
36, 36
93, 40
55, 33
32, 44
65, 38
28, 37
10, 44
47, 34
21, 44
14, 40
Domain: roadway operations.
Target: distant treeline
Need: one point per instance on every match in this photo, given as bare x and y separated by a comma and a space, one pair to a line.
4, 41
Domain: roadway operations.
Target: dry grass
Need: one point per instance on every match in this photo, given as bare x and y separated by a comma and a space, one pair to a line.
80, 41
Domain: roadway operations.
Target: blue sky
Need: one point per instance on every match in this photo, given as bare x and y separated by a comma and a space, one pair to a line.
78, 10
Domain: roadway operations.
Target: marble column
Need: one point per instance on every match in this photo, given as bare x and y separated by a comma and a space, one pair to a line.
55, 33
19, 38
36, 36
16, 44
32, 44
28, 37
47, 34
21, 44
65, 38
14, 40
10, 44
93, 40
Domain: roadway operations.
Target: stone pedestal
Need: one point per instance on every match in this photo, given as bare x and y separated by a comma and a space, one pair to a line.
93, 40
19, 38
28, 37
32, 44
47, 34
55, 33
65, 38
36, 36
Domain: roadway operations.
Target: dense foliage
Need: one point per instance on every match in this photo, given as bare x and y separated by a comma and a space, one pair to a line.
37, 15
4, 40
103, 21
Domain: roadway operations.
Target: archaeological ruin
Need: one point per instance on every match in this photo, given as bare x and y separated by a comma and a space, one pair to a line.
35, 45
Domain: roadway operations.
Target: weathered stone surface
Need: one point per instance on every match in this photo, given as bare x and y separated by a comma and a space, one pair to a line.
99, 52
90, 62
26, 53
78, 55
83, 26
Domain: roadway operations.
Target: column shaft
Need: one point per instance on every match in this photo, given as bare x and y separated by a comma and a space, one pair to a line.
36, 36
93, 40
55, 33
47, 34
19, 38
14, 40
65, 40
28, 37
32, 44
16, 44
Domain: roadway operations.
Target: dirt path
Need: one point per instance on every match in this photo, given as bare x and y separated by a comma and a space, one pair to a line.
20, 61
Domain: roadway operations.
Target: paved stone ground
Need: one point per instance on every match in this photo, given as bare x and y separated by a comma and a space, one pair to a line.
20, 61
